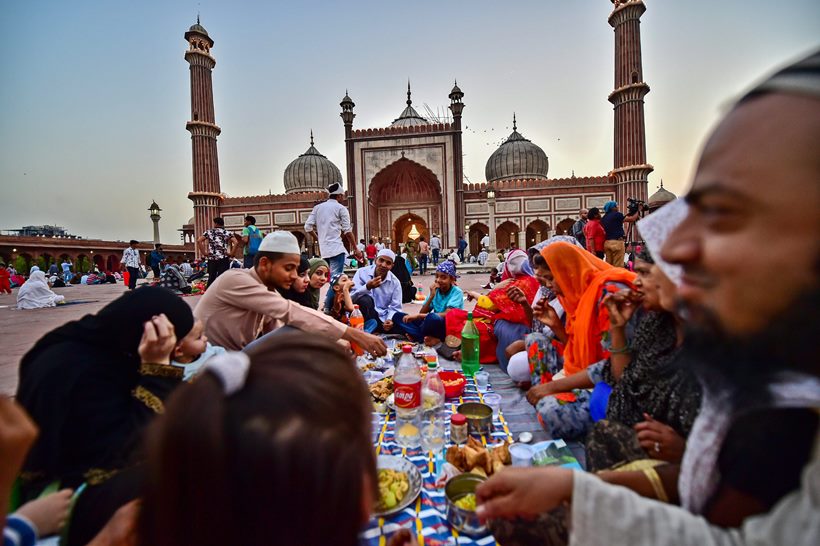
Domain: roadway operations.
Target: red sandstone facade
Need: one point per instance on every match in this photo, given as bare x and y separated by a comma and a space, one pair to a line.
411, 174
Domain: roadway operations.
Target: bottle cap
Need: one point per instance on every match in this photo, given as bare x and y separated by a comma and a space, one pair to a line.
470, 315
406, 349
458, 419
355, 307
432, 365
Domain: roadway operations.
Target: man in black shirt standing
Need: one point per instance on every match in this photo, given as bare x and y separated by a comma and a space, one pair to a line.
613, 224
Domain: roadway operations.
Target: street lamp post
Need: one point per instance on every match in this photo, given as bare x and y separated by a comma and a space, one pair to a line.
155, 210
491, 208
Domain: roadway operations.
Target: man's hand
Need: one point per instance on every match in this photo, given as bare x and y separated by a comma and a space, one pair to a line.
621, 306
411, 318
660, 441
387, 325
538, 392
158, 340
402, 537
358, 255
368, 342
523, 492
375, 282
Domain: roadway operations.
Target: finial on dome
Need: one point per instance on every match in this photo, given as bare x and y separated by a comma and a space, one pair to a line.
409, 102
661, 183
573, 173
515, 127
311, 137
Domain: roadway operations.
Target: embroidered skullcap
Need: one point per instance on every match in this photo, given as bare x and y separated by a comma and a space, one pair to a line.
280, 241
386, 252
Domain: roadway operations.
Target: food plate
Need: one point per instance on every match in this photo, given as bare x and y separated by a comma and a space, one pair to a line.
400, 464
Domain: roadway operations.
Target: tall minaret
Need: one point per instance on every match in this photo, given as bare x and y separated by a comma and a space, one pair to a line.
631, 169
207, 195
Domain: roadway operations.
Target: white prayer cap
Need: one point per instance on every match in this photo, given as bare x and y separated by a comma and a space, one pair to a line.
280, 241
335, 189
386, 252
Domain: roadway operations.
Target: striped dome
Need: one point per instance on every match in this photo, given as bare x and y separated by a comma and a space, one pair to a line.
311, 171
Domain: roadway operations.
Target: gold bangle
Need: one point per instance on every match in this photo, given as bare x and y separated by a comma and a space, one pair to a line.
655, 481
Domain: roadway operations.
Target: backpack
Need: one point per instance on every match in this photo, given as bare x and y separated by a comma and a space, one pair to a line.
254, 240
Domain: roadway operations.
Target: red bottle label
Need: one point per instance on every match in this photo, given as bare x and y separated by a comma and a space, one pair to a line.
407, 395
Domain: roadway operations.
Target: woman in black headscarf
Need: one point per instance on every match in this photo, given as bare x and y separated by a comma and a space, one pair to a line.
408, 291
91, 393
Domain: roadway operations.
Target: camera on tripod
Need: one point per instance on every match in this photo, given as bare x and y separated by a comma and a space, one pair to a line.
634, 206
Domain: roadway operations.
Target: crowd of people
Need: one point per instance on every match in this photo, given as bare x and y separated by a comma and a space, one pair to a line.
692, 379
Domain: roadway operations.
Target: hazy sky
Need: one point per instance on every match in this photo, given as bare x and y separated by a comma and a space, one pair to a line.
95, 93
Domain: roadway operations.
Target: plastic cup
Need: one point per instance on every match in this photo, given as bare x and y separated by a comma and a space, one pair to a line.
482, 380
493, 400
521, 454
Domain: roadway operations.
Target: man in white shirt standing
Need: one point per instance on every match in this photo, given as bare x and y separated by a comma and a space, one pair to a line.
485, 241
435, 248
131, 262
379, 245
331, 221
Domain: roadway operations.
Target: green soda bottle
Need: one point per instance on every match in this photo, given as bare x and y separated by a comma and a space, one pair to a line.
469, 347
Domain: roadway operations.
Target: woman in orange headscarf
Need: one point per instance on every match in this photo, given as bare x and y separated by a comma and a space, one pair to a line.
580, 280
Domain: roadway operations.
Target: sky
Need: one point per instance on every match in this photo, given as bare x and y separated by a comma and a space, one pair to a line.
95, 93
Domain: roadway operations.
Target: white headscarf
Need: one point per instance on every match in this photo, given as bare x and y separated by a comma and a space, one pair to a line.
35, 293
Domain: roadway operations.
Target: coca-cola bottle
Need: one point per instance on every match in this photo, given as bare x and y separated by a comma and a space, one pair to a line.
407, 397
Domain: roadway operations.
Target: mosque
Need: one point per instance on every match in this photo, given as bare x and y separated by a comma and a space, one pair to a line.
406, 180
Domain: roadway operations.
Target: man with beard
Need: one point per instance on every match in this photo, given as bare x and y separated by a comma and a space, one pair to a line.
377, 291
753, 343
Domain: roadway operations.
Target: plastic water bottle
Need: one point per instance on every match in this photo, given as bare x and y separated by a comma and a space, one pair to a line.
407, 397
432, 391
357, 322
469, 347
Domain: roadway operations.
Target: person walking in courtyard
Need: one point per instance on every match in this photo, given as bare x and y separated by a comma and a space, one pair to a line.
217, 244
424, 255
251, 239
156, 259
462, 246
66, 266
330, 221
578, 228
435, 248
613, 224
130, 262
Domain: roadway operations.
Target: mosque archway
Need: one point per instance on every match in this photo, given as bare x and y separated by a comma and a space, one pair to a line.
564, 227
537, 231
477, 232
403, 187
402, 228
99, 262
112, 263
506, 235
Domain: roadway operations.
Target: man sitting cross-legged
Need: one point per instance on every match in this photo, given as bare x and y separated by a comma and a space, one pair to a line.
243, 304
377, 292
444, 295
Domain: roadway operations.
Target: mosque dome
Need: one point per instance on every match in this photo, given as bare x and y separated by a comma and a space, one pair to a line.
311, 171
409, 117
517, 159
661, 197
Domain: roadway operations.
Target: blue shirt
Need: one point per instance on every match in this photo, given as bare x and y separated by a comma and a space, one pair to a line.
613, 224
452, 299
387, 296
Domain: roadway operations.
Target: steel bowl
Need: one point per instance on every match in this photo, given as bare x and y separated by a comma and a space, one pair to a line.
413, 475
479, 417
464, 521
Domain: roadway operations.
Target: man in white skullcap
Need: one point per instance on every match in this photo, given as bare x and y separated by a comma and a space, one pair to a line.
244, 304
377, 291
330, 220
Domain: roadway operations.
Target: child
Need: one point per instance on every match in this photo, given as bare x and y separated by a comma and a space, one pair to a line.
342, 302
5, 279
277, 449
193, 351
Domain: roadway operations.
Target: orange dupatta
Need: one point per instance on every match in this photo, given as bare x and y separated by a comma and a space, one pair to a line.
581, 278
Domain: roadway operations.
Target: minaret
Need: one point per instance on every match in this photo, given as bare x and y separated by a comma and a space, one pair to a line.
456, 107
631, 169
347, 115
207, 195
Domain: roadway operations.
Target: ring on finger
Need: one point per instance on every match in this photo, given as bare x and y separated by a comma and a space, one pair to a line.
657, 447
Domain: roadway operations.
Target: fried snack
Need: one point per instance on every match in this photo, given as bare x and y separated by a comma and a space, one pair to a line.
381, 389
455, 456
473, 443
476, 457
479, 471
502, 453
